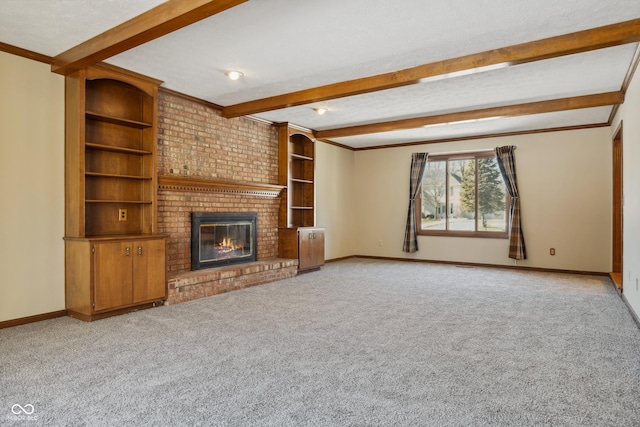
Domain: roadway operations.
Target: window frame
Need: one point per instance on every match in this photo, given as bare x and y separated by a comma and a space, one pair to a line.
476, 155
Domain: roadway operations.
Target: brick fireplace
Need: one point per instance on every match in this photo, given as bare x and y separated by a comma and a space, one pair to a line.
207, 163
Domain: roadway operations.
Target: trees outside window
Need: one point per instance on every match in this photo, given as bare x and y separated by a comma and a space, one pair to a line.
463, 195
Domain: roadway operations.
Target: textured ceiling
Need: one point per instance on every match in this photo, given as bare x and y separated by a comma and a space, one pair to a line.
283, 46
50, 27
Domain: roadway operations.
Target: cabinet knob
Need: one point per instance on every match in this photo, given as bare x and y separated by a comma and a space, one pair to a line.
139, 250
128, 251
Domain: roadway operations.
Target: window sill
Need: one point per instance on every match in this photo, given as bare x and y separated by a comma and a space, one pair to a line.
474, 234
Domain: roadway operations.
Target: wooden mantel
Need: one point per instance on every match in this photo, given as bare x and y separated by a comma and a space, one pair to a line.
182, 183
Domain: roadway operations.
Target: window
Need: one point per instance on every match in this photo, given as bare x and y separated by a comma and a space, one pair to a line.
471, 185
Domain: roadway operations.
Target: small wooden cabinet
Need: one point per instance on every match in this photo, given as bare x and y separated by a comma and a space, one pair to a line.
115, 260
114, 273
304, 243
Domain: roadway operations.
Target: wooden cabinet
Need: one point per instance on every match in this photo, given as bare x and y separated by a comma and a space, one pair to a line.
110, 190
304, 243
297, 235
114, 274
311, 248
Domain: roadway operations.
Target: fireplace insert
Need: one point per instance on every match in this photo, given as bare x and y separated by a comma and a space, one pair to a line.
219, 239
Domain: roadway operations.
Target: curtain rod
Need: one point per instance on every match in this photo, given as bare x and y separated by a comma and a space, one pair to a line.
449, 153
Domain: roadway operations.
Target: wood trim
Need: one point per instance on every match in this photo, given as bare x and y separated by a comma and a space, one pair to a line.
152, 24
469, 234
126, 73
344, 258
616, 279
106, 314
552, 47
292, 129
563, 104
617, 191
32, 319
336, 144
475, 264
18, 51
493, 135
178, 183
190, 98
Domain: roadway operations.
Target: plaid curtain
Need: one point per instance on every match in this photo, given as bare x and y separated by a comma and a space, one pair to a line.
418, 163
507, 164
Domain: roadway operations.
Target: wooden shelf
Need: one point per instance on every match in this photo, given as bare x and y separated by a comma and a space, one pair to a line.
115, 149
303, 181
117, 120
109, 175
306, 208
300, 157
136, 202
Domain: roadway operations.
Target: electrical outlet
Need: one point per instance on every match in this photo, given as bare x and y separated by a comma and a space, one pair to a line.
379, 242
552, 251
122, 214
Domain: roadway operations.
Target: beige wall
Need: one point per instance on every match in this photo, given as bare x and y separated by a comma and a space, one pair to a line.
629, 115
32, 176
565, 185
334, 199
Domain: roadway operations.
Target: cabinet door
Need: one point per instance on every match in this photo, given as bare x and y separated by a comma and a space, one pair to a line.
311, 248
318, 247
305, 248
149, 270
112, 280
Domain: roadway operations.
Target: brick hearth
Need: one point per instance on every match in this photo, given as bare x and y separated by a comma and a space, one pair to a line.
192, 285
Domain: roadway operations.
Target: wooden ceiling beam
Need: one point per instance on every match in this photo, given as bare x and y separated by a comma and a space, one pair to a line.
582, 41
564, 104
154, 23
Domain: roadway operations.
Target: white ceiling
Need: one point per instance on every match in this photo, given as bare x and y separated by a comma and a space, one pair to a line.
283, 46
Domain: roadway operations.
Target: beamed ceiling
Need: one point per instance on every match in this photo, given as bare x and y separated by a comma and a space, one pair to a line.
389, 72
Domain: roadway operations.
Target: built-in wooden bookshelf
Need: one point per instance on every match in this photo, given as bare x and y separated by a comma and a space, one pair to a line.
297, 163
298, 237
114, 258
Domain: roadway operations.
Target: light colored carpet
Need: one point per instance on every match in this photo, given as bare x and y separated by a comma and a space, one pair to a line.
360, 343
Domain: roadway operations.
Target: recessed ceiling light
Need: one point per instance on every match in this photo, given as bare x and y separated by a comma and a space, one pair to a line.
234, 75
321, 110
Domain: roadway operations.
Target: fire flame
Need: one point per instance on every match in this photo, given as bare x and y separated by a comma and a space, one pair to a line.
227, 245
